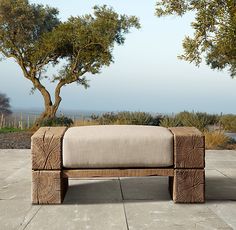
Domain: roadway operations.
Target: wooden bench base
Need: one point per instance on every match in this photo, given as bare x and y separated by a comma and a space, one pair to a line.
185, 185
186, 176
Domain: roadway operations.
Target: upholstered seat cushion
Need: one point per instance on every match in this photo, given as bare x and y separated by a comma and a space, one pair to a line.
117, 146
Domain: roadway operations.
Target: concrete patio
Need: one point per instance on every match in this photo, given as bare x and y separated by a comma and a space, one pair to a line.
125, 203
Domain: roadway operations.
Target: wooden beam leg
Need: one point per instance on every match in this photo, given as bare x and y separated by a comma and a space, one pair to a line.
48, 187
188, 186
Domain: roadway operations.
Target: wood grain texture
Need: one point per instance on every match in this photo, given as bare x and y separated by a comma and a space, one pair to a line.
48, 187
84, 173
46, 147
189, 147
188, 186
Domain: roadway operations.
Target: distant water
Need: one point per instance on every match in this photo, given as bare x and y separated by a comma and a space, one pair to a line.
77, 114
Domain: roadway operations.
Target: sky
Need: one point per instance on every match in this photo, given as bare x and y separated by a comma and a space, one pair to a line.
146, 75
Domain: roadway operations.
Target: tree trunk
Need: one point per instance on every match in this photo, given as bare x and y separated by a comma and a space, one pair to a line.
48, 113
50, 109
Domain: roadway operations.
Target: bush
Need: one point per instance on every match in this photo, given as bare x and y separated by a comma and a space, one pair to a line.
105, 119
134, 118
228, 122
170, 122
198, 120
57, 121
127, 118
211, 119
216, 140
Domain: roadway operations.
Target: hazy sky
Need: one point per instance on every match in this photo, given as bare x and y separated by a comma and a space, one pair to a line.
146, 75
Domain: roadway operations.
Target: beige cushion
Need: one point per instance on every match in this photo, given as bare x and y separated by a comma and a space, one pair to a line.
117, 146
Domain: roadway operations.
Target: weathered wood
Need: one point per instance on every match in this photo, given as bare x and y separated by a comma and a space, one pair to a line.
48, 187
83, 173
189, 147
46, 145
188, 186
50, 180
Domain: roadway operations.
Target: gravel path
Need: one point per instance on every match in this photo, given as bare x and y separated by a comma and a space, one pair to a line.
15, 140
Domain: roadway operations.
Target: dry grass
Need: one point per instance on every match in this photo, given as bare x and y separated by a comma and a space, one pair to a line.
216, 140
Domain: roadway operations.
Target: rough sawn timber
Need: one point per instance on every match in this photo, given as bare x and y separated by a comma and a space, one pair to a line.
186, 176
83, 173
48, 187
46, 145
189, 147
188, 186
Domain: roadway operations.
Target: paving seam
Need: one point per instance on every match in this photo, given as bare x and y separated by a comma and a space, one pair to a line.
123, 200
24, 226
219, 217
224, 174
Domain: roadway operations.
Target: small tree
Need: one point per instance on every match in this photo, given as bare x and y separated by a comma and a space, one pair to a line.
5, 108
35, 37
215, 31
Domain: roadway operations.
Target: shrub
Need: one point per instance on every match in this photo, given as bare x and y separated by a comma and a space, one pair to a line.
134, 118
127, 118
198, 120
57, 121
228, 122
216, 140
170, 122
105, 119
211, 119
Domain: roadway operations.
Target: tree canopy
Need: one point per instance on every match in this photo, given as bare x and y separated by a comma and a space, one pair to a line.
35, 37
214, 31
5, 107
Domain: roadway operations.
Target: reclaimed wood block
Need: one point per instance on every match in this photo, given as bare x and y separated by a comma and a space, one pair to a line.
46, 145
188, 186
48, 187
189, 147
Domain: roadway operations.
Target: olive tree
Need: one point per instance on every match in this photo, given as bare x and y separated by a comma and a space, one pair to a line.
34, 36
214, 31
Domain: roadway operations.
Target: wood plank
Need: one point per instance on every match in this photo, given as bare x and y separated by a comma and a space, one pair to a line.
46, 145
189, 147
188, 186
48, 187
85, 173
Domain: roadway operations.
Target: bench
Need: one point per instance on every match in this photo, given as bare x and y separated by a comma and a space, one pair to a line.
59, 153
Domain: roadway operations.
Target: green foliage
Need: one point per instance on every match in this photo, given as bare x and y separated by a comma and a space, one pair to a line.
228, 122
57, 121
198, 120
10, 130
210, 119
5, 107
87, 41
127, 118
214, 31
22, 27
35, 37
170, 122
